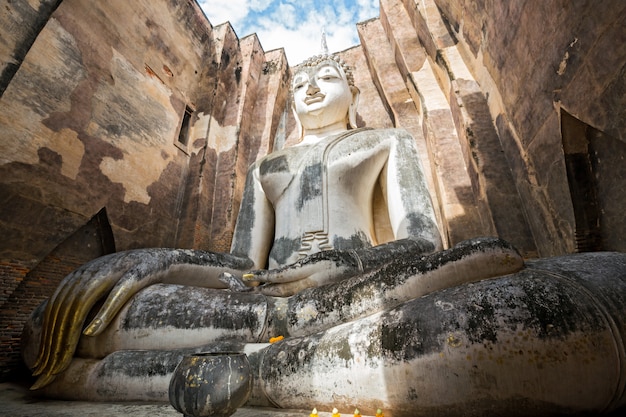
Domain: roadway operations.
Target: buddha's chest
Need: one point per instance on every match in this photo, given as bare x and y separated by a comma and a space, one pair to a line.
301, 174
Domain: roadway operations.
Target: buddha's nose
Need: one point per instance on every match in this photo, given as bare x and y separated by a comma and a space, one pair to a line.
312, 88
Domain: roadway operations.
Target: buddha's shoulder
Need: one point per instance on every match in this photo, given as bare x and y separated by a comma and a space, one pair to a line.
279, 160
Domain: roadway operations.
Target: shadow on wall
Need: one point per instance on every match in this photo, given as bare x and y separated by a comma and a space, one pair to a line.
596, 173
92, 240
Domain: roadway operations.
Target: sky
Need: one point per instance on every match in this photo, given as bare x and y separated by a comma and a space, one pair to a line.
295, 25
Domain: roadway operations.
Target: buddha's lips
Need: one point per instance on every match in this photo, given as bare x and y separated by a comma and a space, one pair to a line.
314, 98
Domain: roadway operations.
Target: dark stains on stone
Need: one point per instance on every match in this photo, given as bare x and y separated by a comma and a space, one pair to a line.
545, 307
154, 38
347, 298
376, 256
276, 320
171, 178
246, 218
442, 62
356, 241
310, 184
289, 356
270, 67
404, 267
482, 322
228, 313
530, 303
121, 119
225, 58
556, 309
412, 330
133, 364
342, 350
283, 248
50, 158
418, 224
529, 300
142, 363
273, 165
401, 340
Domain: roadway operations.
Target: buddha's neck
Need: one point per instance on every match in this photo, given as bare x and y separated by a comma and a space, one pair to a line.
315, 135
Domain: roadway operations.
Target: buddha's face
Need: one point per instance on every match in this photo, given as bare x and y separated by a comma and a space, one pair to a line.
322, 95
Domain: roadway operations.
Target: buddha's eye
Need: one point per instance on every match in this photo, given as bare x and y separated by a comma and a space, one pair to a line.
298, 86
327, 77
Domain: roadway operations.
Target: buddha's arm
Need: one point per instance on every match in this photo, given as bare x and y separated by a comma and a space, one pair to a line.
255, 222
408, 200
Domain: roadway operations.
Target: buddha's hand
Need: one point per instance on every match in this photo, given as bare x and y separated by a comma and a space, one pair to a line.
313, 271
120, 275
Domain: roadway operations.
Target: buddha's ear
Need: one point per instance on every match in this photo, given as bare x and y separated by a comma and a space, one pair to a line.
299, 127
353, 106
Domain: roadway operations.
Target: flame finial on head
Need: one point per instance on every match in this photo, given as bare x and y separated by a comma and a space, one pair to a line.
324, 45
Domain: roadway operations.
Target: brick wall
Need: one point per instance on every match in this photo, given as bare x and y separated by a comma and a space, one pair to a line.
23, 289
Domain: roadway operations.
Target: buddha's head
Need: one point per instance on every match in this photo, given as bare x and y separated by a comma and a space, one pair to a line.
324, 93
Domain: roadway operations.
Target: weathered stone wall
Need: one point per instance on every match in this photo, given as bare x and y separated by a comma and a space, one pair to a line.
21, 22
533, 59
90, 120
487, 82
416, 64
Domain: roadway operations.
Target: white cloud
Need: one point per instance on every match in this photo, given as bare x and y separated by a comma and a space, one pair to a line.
367, 9
284, 15
260, 5
233, 11
295, 25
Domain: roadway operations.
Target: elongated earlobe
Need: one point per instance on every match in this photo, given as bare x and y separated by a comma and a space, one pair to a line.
299, 127
353, 107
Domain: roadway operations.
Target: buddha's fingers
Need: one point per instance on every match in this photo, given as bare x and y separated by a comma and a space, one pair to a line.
56, 309
128, 285
285, 274
236, 284
73, 323
68, 324
62, 332
64, 292
42, 381
50, 323
286, 289
67, 310
320, 268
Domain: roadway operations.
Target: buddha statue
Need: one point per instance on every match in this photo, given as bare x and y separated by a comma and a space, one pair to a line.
336, 250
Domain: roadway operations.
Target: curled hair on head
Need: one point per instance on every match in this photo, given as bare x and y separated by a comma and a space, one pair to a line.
318, 59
